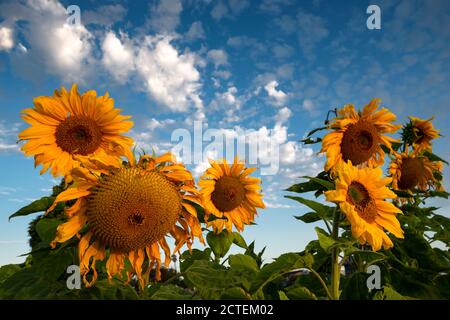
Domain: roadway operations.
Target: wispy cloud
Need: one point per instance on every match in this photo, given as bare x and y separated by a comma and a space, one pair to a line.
8, 136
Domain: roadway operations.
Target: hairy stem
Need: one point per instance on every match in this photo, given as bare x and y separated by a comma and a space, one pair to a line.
335, 267
324, 285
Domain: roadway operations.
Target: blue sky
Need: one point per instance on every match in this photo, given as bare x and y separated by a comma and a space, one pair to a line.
272, 66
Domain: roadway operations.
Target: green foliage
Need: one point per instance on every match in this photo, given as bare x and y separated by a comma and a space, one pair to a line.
323, 211
170, 292
28, 284
7, 271
36, 206
318, 184
299, 292
188, 258
46, 229
325, 240
105, 290
220, 243
433, 157
417, 267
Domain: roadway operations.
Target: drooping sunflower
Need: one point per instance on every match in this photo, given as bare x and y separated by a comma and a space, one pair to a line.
127, 213
419, 133
360, 194
357, 136
228, 192
68, 129
411, 170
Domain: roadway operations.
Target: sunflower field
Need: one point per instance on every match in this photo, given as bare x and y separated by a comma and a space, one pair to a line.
119, 217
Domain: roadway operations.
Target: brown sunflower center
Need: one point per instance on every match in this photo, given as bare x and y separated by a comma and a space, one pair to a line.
359, 143
365, 205
411, 169
78, 135
131, 209
228, 194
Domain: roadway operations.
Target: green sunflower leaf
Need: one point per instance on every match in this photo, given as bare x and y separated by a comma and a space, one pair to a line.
220, 243
325, 241
390, 294
309, 217
36, 206
8, 270
299, 292
171, 292
327, 184
46, 229
440, 194
243, 262
311, 141
187, 258
239, 240
433, 157
282, 295
403, 194
322, 210
315, 130
234, 293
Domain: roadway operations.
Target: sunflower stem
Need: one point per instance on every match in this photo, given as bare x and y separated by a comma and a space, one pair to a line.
324, 285
335, 267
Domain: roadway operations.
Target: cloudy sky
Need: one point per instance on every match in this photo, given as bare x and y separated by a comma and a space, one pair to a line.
273, 66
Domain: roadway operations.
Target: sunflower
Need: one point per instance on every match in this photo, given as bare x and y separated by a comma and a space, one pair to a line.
68, 129
410, 170
419, 133
357, 136
126, 214
228, 192
360, 194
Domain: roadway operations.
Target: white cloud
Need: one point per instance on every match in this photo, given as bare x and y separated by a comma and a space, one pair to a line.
70, 47
218, 57
6, 39
278, 95
274, 6
219, 11
200, 168
311, 30
146, 138
230, 97
6, 191
286, 23
285, 71
311, 107
53, 45
169, 77
118, 58
308, 105
272, 205
224, 74
165, 15
195, 31
105, 15
154, 123
8, 136
237, 6
231, 9
283, 115
228, 103
282, 51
